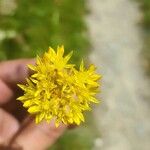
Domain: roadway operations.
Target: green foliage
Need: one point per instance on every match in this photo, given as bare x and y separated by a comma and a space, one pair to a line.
42, 23
145, 6
80, 138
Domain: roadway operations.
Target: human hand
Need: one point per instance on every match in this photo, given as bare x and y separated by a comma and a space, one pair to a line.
17, 130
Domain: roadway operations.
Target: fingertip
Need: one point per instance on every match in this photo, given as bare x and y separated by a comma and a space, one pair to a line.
15, 71
8, 126
39, 136
5, 93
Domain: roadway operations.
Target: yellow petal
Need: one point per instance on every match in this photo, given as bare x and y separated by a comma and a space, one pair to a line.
33, 80
27, 103
32, 67
68, 57
76, 120
60, 51
41, 116
23, 87
94, 100
34, 109
80, 115
37, 119
51, 52
70, 120
35, 75
92, 68
82, 66
38, 60
57, 123
22, 98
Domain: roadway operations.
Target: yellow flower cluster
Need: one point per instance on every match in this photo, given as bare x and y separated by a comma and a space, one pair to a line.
57, 90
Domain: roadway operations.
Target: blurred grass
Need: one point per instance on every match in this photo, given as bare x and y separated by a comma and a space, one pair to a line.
34, 26
40, 24
80, 138
145, 7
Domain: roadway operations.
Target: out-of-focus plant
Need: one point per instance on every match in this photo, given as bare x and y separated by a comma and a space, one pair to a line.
145, 7
35, 25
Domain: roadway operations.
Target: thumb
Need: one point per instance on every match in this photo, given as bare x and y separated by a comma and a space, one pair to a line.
39, 136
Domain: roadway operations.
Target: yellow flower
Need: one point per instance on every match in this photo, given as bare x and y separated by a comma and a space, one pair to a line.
57, 90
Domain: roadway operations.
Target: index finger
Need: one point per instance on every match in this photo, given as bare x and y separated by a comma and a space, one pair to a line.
11, 73
38, 136
15, 71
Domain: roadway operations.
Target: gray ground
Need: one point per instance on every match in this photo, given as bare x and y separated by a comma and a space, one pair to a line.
123, 118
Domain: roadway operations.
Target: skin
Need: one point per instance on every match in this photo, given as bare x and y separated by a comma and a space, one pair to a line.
17, 130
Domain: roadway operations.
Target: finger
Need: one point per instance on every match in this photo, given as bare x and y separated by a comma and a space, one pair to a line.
8, 127
5, 93
38, 137
15, 71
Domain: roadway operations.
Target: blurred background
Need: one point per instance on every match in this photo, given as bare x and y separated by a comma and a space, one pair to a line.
112, 34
